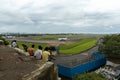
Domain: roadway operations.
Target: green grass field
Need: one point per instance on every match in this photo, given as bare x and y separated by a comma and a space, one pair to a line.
74, 44
73, 48
29, 45
47, 37
69, 36
78, 47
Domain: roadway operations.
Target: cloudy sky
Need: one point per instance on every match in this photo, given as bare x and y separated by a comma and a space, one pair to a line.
60, 16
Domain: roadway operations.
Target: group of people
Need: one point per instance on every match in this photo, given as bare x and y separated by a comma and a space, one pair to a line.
45, 55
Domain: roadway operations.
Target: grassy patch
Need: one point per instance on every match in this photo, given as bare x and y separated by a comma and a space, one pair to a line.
90, 76
78, 47
69, 46
69, 36
29, 45
47, 37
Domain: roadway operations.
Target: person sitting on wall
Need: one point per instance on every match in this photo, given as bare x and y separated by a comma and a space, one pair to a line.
31, 50
52, 53
46, 54
38, 53
25, 47
14, 44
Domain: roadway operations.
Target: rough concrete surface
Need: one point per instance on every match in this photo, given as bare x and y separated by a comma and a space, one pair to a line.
14, 66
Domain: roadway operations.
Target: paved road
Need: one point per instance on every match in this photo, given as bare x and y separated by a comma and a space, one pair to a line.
74, 60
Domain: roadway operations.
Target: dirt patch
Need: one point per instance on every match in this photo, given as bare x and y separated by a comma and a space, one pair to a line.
14, 66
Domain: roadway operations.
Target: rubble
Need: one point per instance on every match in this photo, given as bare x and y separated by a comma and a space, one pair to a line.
111, 71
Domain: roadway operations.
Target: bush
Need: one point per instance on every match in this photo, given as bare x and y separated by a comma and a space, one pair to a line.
111, 46
5, 41
90, 76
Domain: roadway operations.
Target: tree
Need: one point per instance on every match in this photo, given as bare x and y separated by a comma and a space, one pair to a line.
111, 45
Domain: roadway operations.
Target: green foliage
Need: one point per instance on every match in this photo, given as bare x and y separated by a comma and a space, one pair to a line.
90, 76
29, 45
111, 46
76, 48
5, 41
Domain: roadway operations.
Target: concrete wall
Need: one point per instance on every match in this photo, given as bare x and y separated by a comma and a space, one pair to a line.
99, 60
19, 51
47, 71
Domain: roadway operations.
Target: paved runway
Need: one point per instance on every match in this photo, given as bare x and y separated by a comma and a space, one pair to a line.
74, 60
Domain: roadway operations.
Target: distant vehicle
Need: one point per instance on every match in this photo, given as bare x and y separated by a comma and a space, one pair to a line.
62, 39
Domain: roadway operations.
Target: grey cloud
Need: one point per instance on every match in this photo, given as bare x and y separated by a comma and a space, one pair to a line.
66, 16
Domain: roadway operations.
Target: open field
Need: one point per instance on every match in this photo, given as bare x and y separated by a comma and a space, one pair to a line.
72, 48
75, 43
69, 36
72, 45
56, 36
78, 47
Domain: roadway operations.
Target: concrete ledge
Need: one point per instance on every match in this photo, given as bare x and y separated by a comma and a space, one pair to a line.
47, 71
21, 52
18, 66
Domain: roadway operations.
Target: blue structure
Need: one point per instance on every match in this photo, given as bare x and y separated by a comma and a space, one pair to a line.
99, 60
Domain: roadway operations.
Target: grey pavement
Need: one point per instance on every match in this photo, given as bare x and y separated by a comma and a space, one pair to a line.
74, 60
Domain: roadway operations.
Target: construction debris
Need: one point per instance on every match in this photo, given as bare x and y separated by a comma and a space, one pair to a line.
111, 71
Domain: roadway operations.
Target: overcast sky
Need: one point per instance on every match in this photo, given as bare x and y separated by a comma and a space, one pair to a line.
60, 16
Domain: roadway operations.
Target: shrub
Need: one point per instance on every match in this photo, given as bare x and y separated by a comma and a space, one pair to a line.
90, 76
111, 46
5, 41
